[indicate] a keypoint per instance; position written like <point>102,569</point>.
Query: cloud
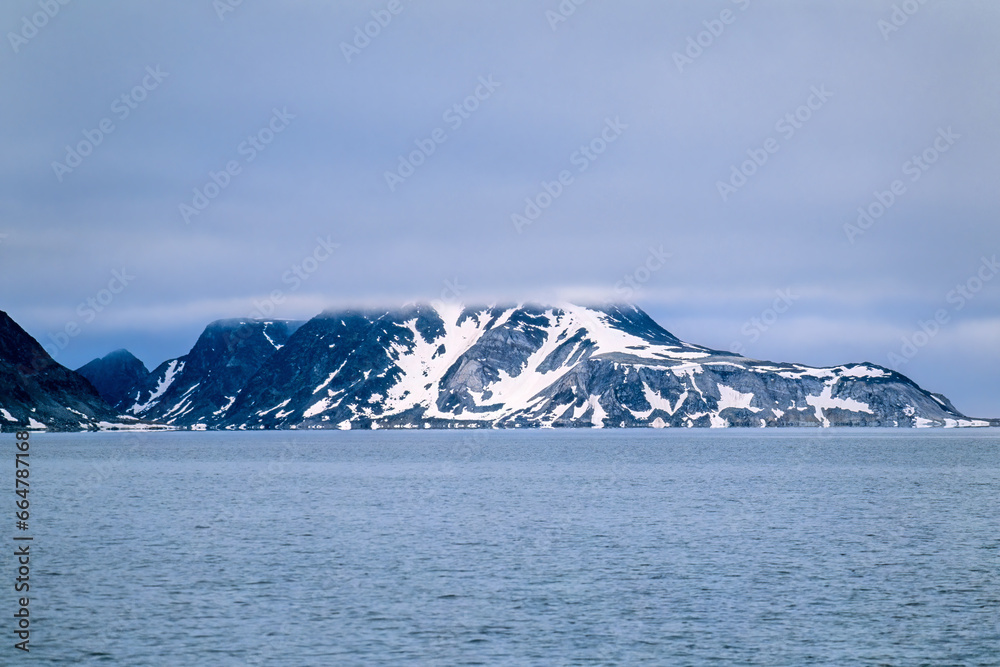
<point>324,175</point>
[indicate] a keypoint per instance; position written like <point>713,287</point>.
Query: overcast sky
<point>228,159</point>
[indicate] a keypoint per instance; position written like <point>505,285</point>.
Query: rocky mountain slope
<point>113,375</point>
<point>37,392</point>
<point>198,387</point>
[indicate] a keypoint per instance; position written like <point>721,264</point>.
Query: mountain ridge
<point>529,365</point>
<point>113,374</point>
<point>222,360</point>
<point>498,366</point>
<point>38,392</point>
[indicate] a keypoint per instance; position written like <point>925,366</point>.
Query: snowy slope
<point>199,387</point>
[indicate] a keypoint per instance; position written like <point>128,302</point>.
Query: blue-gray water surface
<point>738,547</point>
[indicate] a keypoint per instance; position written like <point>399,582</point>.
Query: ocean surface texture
<point>660,547</point>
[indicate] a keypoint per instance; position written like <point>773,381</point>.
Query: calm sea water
<point>795,547</point>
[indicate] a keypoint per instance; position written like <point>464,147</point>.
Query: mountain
<point>37,392</point>
<point>539,366</point>
<point>444,367</point>
<point>198,387</point>
<point>114,375</point>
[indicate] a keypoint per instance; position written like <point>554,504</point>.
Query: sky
<point>809,182</point>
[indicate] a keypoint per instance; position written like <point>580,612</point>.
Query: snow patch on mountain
<point>162,385</point>
<point>424,364</point>
<point>826,401</point>
<point>731,398</point>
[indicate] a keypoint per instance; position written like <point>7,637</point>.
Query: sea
<point>519,547</point>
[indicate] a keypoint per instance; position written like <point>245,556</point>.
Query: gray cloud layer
<point>201,94</point>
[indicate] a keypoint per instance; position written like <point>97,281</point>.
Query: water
<point>798,547</point>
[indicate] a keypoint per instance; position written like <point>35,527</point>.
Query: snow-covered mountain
<point>198,387</point>
<point>539,366</point>
<point>444,367</point>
